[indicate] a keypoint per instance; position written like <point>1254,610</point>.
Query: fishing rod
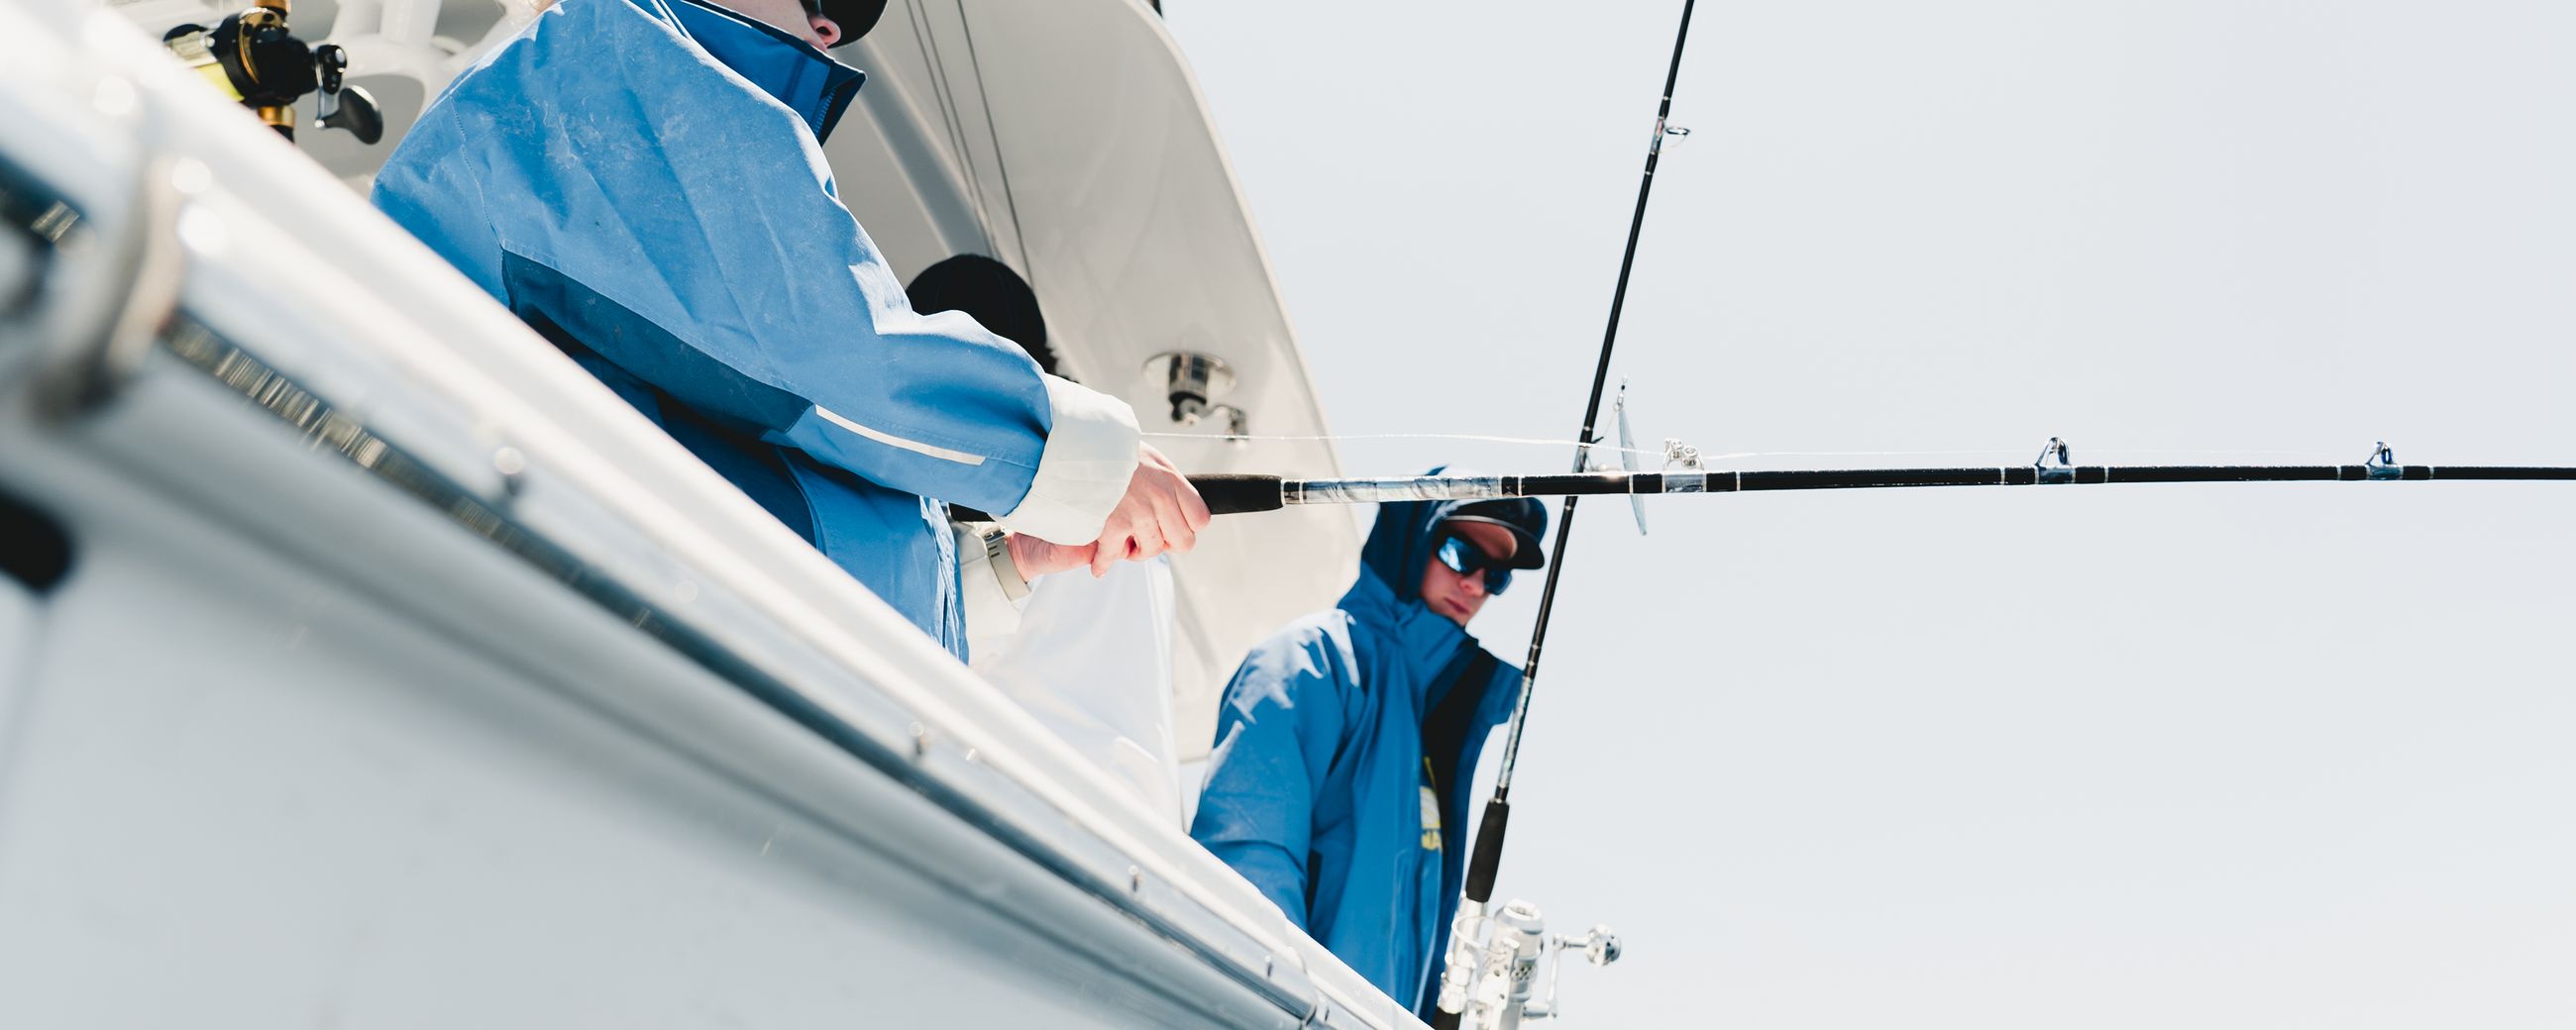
<point>1230,493</point>
<point>1465,971</point>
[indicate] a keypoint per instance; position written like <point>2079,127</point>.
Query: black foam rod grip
<point>1229,493</point>
<point>1226,493</point>
<point>1488,857</point>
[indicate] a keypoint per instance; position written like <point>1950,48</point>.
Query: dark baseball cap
<point>1524,517</point>
<point>855,17</point>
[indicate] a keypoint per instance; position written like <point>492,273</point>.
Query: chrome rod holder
<point>1192,382</point>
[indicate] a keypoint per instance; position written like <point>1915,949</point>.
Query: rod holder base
<point>1193,382</point>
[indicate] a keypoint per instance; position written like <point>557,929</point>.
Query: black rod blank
<point>1228,494</point>
<point>2025,475</point>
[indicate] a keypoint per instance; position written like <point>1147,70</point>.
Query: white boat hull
<point>404,676</point>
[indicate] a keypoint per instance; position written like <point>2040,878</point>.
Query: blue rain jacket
<point>1315,789</point>
<point>643,182</point>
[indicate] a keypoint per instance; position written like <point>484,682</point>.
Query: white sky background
<point>2130,756</point>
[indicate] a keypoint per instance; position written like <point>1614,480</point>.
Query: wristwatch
<point>997,553</point>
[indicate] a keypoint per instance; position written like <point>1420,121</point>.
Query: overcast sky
<point>2130,756</point>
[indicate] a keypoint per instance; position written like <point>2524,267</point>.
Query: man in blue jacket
<point>643,182</point>
<point>1343,749</point>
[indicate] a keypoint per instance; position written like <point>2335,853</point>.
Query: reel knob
<point>343,106</point>
<point>354,110</point>
<point>1601,946</point>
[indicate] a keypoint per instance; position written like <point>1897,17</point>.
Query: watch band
<point>997,553</point>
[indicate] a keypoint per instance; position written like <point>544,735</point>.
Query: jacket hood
<point>1388,595</point>
<point>807,80</point>
<point>1399,545</point>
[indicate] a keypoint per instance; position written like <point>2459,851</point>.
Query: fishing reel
<point>1494,964</point>
<point>253,57</point>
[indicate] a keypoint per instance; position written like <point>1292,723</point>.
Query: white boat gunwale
<point>437,393</point>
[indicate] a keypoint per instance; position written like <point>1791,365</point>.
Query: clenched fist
<point>1161,512</point>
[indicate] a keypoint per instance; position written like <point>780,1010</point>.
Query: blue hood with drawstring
<point>1344,747</point>
<point>643,182</point>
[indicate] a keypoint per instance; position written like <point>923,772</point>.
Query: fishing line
<point>1996,451</point>
<point>1459,437</point>
<point>1606,446</point>
<point>1001,164</point>
<point>1228,493</point>
<point>927,37</point>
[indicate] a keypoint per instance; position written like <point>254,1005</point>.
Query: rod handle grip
<point>1231,493</point>
<point>1488,857</point>
<point>1226,493</point>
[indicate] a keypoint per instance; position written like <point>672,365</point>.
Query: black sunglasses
<point>1461,555</point>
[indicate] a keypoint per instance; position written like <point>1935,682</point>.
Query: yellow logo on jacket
<point>1430,818</point>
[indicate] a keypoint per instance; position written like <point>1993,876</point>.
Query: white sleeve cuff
<point>1089,458</point>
